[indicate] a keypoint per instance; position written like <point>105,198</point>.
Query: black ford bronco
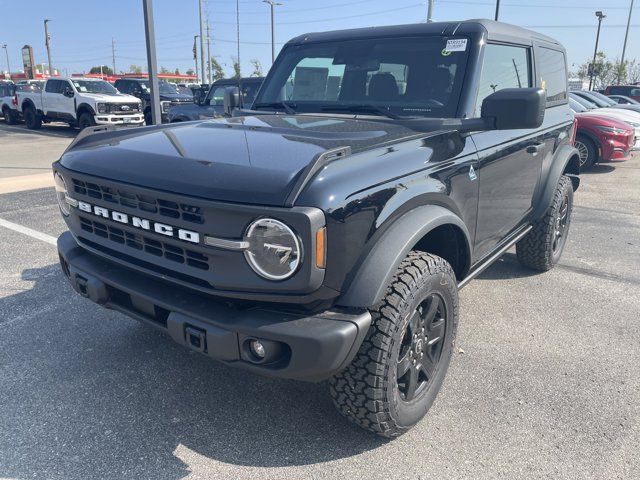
<point>324,234</point>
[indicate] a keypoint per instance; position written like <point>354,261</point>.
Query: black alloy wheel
<point>395,377</point>
<point>421,348</point>
<point>559,236</point>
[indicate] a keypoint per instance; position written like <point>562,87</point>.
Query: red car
<point>602,139</point>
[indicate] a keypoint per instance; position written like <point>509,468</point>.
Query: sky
<point>82,30</point>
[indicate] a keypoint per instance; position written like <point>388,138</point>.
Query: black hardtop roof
<point>497,31</point>
<point>233,81</point>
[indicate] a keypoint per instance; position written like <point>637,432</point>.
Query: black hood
<point>253,160</point>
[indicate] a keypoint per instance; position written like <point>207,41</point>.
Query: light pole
<point>195,55</point>
<point>497,10</point>
<point>152,63</point>
<point>238,33</point>
<point>624,47</point>
<point>272,4</point>
<point>201,40</point>
<point>600,16</point>
<point>7,54</point>
<point>430,11</point>
<point>47,42</point>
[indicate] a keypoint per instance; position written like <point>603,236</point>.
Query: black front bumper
<point>304,347</point>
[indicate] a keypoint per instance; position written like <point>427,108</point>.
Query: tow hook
<point>196,339</point>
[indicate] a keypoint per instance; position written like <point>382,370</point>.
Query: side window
<point>121,87</point>
<point>504,67</point>
<point>552,71</point>
<point>64,85</point>
<point>52,86</point>
<point>217,96</point>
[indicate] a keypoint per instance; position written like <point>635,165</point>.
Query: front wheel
<point>86,120</point>
<point>397,373</point>
<point>542,247</point>
<point>587,152</point>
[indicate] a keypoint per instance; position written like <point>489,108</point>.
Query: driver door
<point>510,160</point>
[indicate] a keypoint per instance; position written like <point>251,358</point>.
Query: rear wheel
<point>86,120</point>
<point>32,120</point>
<point>587,151</point>
<point>10,117</point>
<point>398,371</point>
<point>542,247</point>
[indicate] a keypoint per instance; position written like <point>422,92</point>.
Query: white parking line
<point>28,231</point>
<point>46,133</point>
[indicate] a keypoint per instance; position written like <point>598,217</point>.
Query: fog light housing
<point>257,348</point>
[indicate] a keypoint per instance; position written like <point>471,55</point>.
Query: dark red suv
<point>631,91</point>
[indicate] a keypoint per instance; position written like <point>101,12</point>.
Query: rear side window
<point>504,67</point>
<point>552,71</point>
<point>52,86</point>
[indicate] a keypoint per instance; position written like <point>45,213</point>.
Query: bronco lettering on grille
<point>142,223</point>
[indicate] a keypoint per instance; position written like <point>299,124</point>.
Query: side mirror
<point>231,100</point>
<point>68,92</point>
<point>514,108</point>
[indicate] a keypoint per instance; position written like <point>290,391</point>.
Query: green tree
<point>135,68</point>
<point>190,71</point>
<point>217,72</point>
<point>257,68</point>
<point>177,72</point>
<point>105,70</point>
<point>236,68</point>
<point>633,71</point>
<point>164,70</point>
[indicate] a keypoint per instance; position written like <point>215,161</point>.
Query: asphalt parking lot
<point>545,382</point>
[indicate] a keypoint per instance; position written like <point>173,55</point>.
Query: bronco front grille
<point>145,203</point>
<point>146,244</point>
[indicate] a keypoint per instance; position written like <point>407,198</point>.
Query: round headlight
<point>274,250</point>
<point>61,193</point>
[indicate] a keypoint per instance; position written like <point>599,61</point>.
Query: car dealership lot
<point>544,380</point>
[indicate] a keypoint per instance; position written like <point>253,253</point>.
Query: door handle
<point>535,149</point>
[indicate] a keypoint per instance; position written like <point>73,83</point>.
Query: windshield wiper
<point>374,109</point>
<point>290,108</point>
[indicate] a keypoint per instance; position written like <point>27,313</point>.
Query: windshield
<point>585,103</point>
<point>94,86</point>
<point>604,98</point>
<point>406,76</point>
<point>576,107</point>
<point>593,99</point>
<point>165,87</point>
<point>248,91</point>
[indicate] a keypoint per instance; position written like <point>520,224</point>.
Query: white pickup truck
<point>81,102</point>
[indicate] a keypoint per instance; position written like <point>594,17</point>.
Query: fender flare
<point>566,161</point>
<point>85,106</point>
<point>375,272</point>
<point>27,102</point>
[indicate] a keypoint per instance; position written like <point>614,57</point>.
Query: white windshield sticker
<point>456,45</point>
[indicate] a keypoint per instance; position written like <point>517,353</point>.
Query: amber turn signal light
<point>321,250</point>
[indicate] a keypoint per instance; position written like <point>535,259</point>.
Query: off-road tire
<point>31,119</point>
<point>367,391</point>
<point>536,250</point>
<point>591,149</point>
<point>85,120</point>
<point>10,117</point>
